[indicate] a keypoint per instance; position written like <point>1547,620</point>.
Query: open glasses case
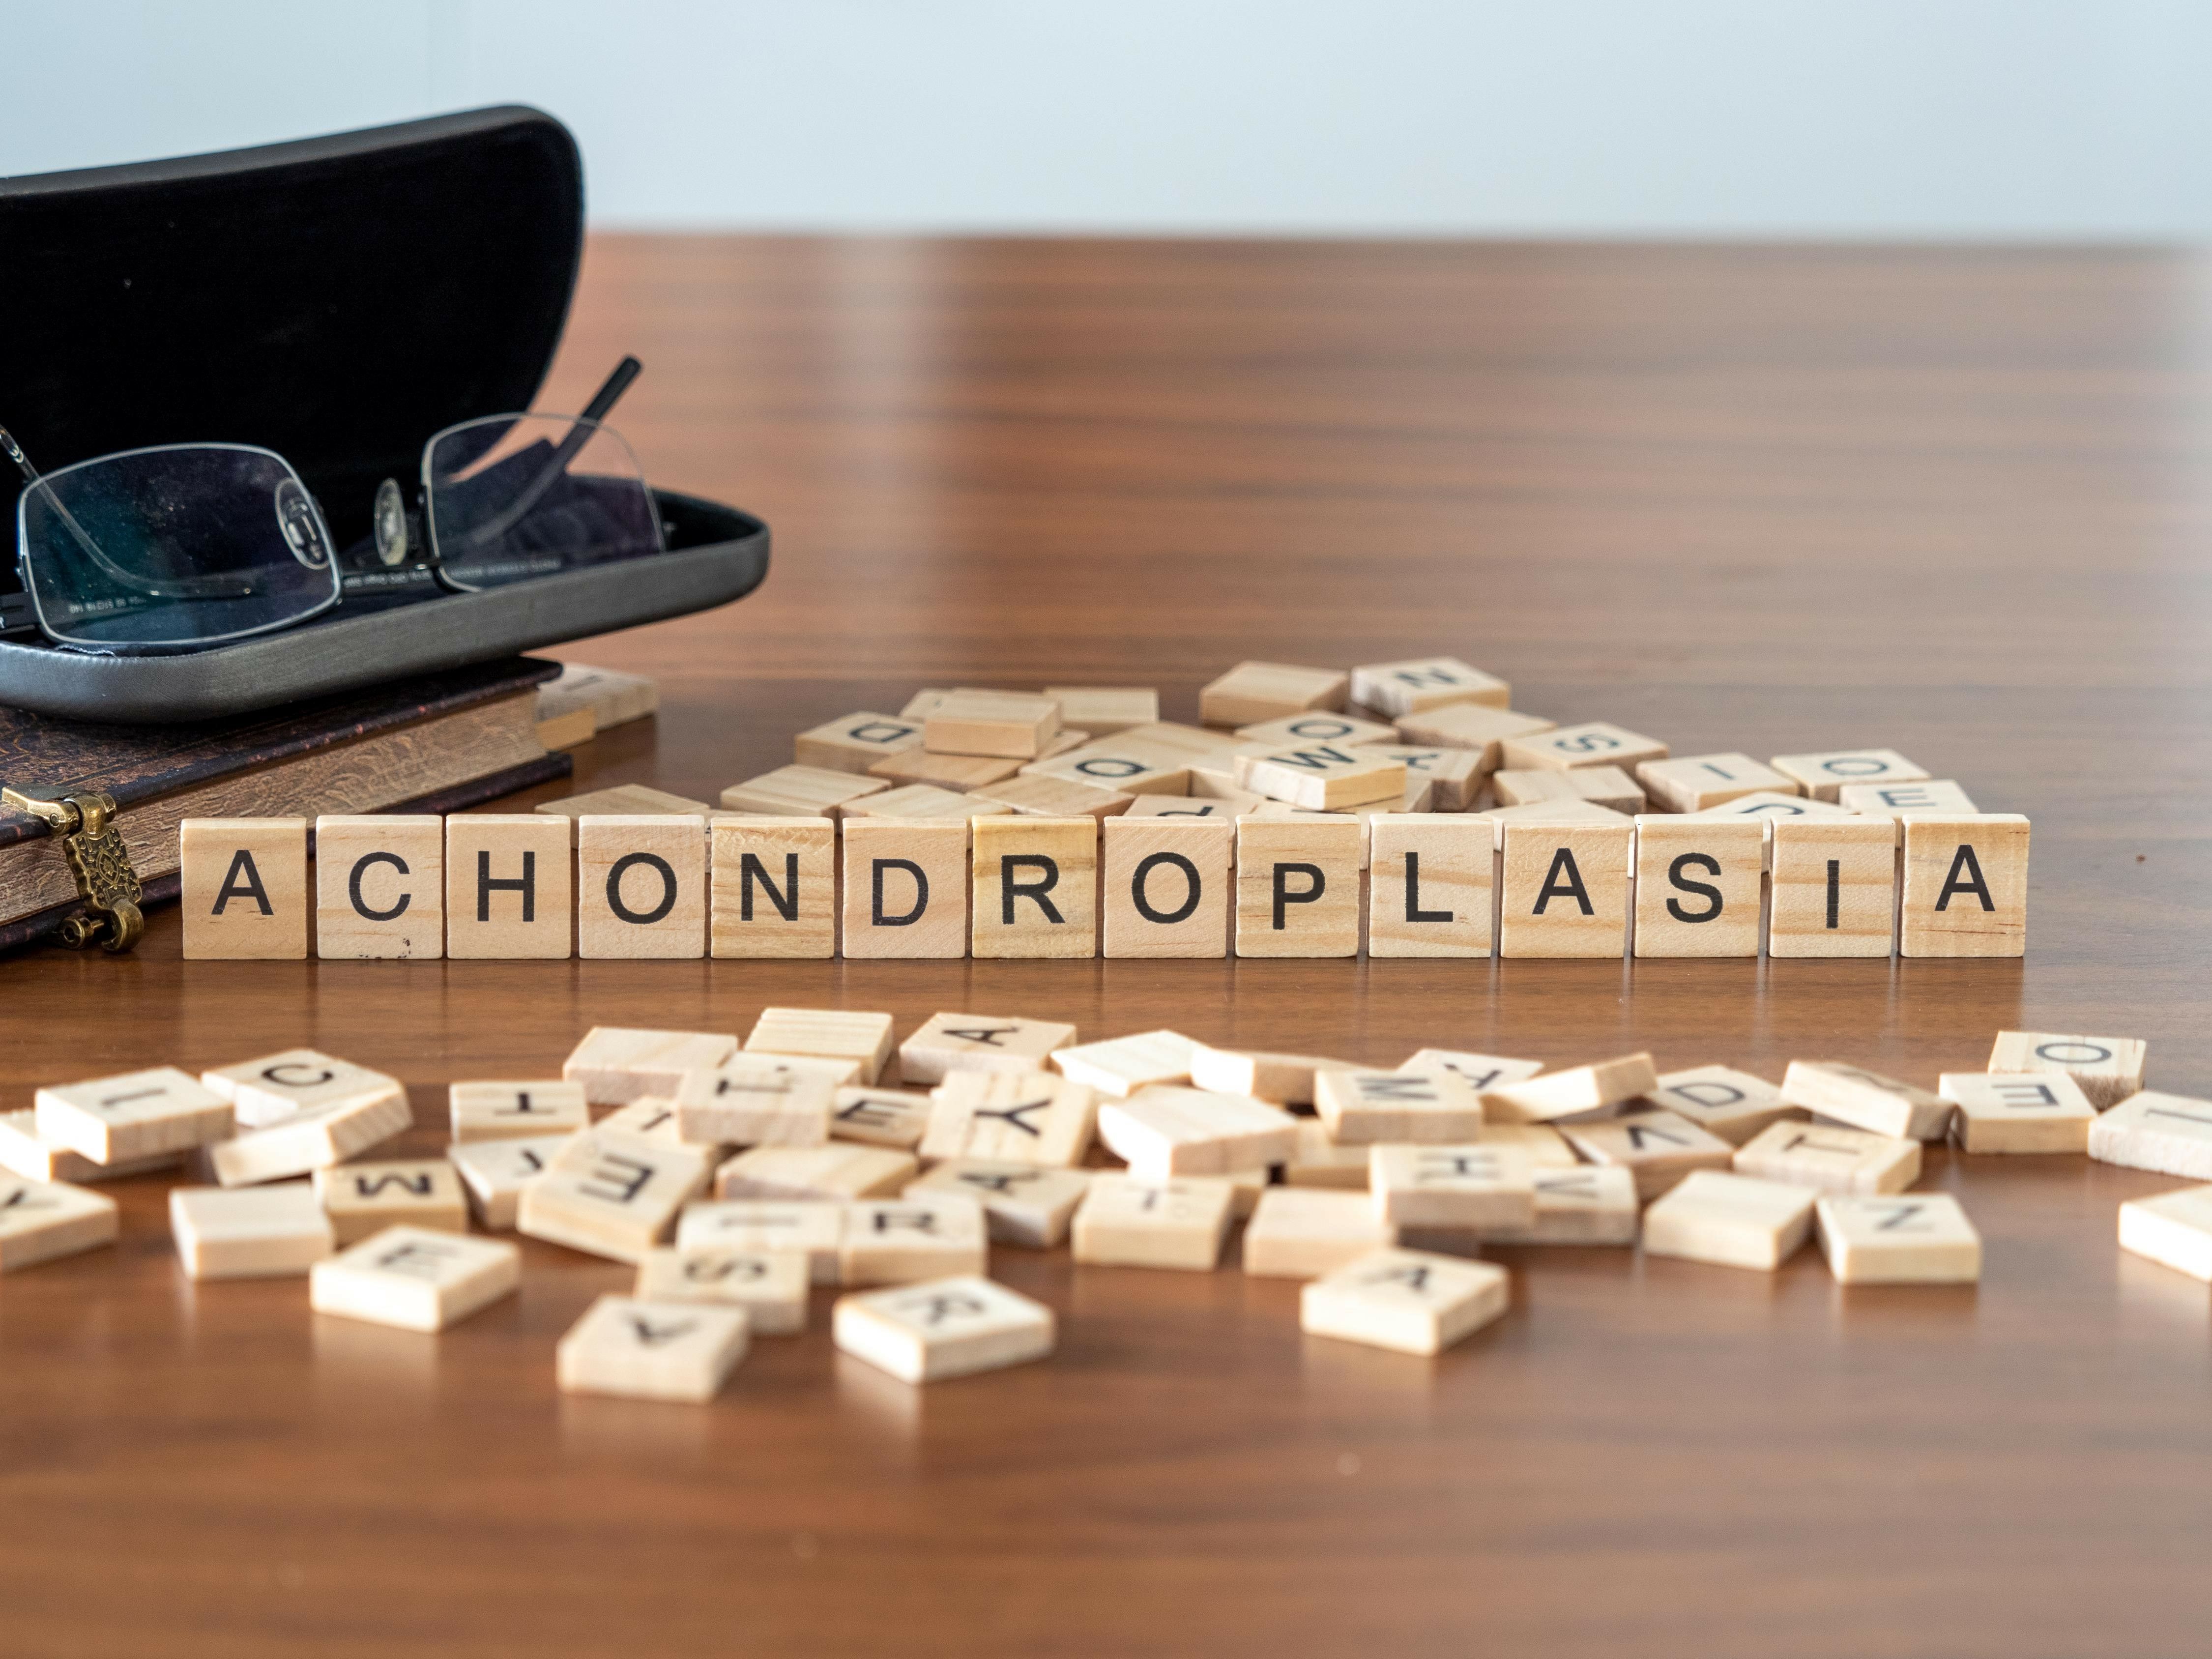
<point>336,301</point>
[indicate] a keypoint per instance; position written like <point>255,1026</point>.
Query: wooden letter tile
<point>1480,1071</point>
<point>679,1351</point>
<point>1475,1184</point>
<point>1866,1100</point>
<point>1124,1221</point>
<point>2170,1133</point>
<point>1035,887</point>
<point>1279,1080</point>
<point>775,888</point>
<point>44,1220</point>
<point>2018,1112</point>
<point>838,1170</point>
<point>1602,786</point>
<point>900,1241</point>
<point>948,772</point>
<point>1823,775</point>
<point>380,886</point>
<point>906,888</point>
<point>310,1139</point>
<point>25,1153</point>
<point>943,1327</point>
<point>1722,1100</point>
<point>1890,800</point>
<point>1830,1157</point>
<point>139,1115</point>
<point>1011,725</point>
<point>1302,1232</point>
<point>1453,776</point>
<point>614,1195</point>
<point>810,792</point>
<point>924,802</point>
<point>1775,807</point>
<point>509,886</point>
<point>508,1111</point>
<point>1297,887</point>
<point>1318,1161</point>
<point>1731,1220</point>
<point>414,1278</point>
<point>849,1034</point>
<point>1414,687</point>
<point>1323,777</point>
<point>1168,887</point>
<point>770,1285</point>
<point>812,1228</point>
<point>1834,887</point>
<point>1295,730</point>
<point>1118,767</point>
<point>625,799</point>
<point>1407,1300</point>
<point>1472,727</point>
<point>1011,1117</point>
<point>759,1100</point>
<point>879,1117</point>
<point>2174,1229</point>
<point>946,1043</point>
<point>1103,710</point>
<point>1191,806</point>
<point>855,743</point>
<point>641,887</point>
<point>1039,797</point>
<point>1162,1131</point>
<point>244,888</point>
<point>1659,1148</point>
<point>1564,889</point>
<point>1565,1094</point>
<point>362,1199</point>
<point>2109,1069</point>
<point>617,1064</point>
<point>1691,783</point>
<point>1594,743</point>
<point>277,1086</point>
<point>1023,1205</point>
<point>496,1172</point>
<point>1122,1065</point>
<point>1429,1107</point>
<point>1965,885</point>
<point>1430,888</point>
<point>1698,886</point>
<point>261,1232</point>
<point>1577,1204</point>
<point>1912,1238</point>
<point>1256,691</point>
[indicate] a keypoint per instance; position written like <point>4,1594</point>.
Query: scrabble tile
<point>1122,1065</point>
<point>1657,1147</point>
<point>310,1139</point>
<point>1190,740</point>
<point>1890,800</point>
<point>509,887</point>
<point>1410,1301</point>
<point>1453,777</point>
<point>494,1172</point>
<point>1035,887</point>
<point>1834,887</point>
<point>506,1111</point>
<point>812,1228</point>
<point>906,889</point>
<point>1472,727</point>
<point>1279,1080</point>
<point>804,792</point>
<point>1162,1131</point>
<point>2174,1229</point>
<point>1775,807</point>
<point>261,1232</point>
<point>361,1199</point>
<point>617,1064</point>
<point>861,1037</point>
<point>1303,1232</point>
<point>641,887</point>
<point>922,802</point>
<point>1169,886</point>
<point>2109,1069</point>
<point>1054,799</point>
<point>950,772</point>
<point>1866,1100</point>
<point>1189,806</point>
<point>1126,1221</point>
<point>653,1118</point>
<point>1421,684</point>
<point>773,890</point>
<point>1965,885</point>
<point>1698,886</point>
<point>1215,776</point>
<point>1480,1071</point>
<point>569,730</point>
<point>1246,1189</point>
<point>949,1043</point>
<point>919,705</point>
<point>1011,1117</point>
<point>1023,1205</point>
<point>1562,889</point>
<point>1691,783</point>
<point>133,1116</point>
<point>1912,1238</point>
<point>854,743</point>
<point>879,1117</point>
<point>838,1170</point>
<point>1297,887</point>
<point>1603,786</point>
<point>2170,1133</point>
<point>44,1220</point>
<point>24,1151</point>
<point>1256,691</point>
<point>1428,1108</point>
<point>1565,1094</point>
<point>1473,1184</point>
<point>613,1195</point>
<point>1549,813</point>
<point>770,1285</point>
<point>1594,743</point>
<point>615,698</point>
<point>414,1278</point>
<point>2019,1112</point>
<point>760,1100</point>
<point>1295,730</point>
<point>1429,885</point>
<point>1317,1161</point>
<point>1116,766</point>
<point>1547,1147</point>
<point>1102,710</point>
<point>1730,1220</point>
<point>943,1328</point>
<point>244,888</point>
<point>631,799</point>
<point>1824,776</point>
<point>1722,1100</point>
<point>1577,1204</point>
<point>1009,724</point>
<point>1830,1157</point>
<point>678,1351</point>
<point>277,1086</point>
<point>1323,776</point>
<point>900,1241</point>
<point>380,886</point>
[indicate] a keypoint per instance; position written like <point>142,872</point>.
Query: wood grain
<point>1773,500</point>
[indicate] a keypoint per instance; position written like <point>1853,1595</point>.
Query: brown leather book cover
<point>436,744</point>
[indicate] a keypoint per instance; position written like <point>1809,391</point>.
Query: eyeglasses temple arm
<point>608,394</point>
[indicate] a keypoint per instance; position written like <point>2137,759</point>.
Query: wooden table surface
<point>1950,501</point>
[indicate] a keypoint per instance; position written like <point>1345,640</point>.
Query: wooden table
<point>1951,502</point>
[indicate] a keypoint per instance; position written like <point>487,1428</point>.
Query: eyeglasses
<point>181,547</point>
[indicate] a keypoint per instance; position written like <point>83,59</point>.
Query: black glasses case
<point>337,300</point>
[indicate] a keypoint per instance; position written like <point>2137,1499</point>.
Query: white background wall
<point>2017,118</point>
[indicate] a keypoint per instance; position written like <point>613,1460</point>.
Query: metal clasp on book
<point>97,862</point>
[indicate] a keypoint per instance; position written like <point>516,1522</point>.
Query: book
<point>434,744</point>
